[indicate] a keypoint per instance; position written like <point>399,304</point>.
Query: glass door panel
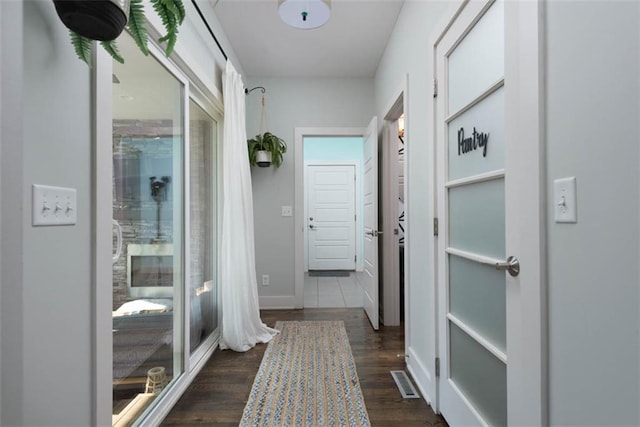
<point>475,150</point>
<point>477,297</point>
<point>203,226</point>
<point>148,147</point>
<point>476,218</point>
<point>479,375</point>
<point>477,61</point>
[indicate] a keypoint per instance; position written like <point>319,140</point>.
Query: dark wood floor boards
<point>219,393</point>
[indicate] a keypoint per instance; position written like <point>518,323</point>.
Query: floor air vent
<point>404,385</point>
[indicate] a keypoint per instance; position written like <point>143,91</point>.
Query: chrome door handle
<point>373,233</point>
<point>512,265</point>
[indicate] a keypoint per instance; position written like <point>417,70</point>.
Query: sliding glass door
<point>165,300</point>
<point>203,287</point>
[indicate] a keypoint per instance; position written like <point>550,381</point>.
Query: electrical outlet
<point>265,280</point>
<point>287,211</point>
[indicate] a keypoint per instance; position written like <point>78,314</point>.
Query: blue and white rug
<point>307,378</point>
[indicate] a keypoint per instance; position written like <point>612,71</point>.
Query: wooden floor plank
<point>219,393</point>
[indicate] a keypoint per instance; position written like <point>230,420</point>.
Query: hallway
<point>218,394</point>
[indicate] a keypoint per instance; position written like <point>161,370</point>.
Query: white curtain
<point>241,324</point>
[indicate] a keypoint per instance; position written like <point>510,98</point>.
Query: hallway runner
<point>307,378</point>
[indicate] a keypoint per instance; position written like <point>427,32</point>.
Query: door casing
<point>299,202</point>
<point>389,258</point>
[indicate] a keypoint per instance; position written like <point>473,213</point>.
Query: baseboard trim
<point>420,374</point>
<point>277,303</point>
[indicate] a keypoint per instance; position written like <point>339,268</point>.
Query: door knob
<point>373,233</point>
<point>310,225</point>
<point>512,265</point>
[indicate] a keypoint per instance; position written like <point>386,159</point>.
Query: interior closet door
<point>491,210</point>
<point>369,277</point>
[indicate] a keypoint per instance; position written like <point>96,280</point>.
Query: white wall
<point>196,47</point>
<point>11,217</point>
<point>52,314</point>
<point>293,103</point>
<point>592,133</point>
<point>409,52</point>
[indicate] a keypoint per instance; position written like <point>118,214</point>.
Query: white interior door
<point>491,338</point>
<point>471,200</point>
<point>331,217</point>
<point>369,275</point>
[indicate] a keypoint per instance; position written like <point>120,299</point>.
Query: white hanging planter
<point>263,159</point>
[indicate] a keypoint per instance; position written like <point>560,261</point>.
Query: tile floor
<point>332,292</point>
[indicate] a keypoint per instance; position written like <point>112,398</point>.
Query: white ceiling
<point>349,45</point>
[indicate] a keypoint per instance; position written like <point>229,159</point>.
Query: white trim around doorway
<point>525,122</point>
<point>299,222</point>
<point>397,106</point>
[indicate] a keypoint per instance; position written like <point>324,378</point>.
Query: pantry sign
<point>476,141</point>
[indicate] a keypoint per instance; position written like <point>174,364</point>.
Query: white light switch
<point>565,200</point>
<point>287,211</point>
<point>53,205</point>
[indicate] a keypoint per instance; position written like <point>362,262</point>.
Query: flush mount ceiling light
<point>304,14</point>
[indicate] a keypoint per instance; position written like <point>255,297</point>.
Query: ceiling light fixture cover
<point>304,14</point>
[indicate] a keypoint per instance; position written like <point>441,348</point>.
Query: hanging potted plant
<point>266,149</point>
<point>104,20</point>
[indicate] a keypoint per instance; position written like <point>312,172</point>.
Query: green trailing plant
<point>266,142</point>
<point>172,14</point>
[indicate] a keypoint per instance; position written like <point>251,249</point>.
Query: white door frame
<point>397,106</point>
<point>527,333</point>
<point>357,208</point>
<point>102,212</point>
<point>299,202</point>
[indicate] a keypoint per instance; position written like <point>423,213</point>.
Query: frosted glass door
<point>473,196</point>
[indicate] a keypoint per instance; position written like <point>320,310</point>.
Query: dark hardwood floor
<point>219,393</point>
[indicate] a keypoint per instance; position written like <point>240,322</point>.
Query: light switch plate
<point>287,211</point>
<point>53,205</point>
<point>565,200</point>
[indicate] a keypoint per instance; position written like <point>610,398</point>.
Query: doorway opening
<point>393,211</point>
<point>332,214</point>
<point>366,280</point>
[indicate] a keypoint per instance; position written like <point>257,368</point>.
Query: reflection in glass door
<point>148,146</point>
<point>202,215</point>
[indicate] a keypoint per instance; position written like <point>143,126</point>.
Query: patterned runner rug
<point>307,378</point>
